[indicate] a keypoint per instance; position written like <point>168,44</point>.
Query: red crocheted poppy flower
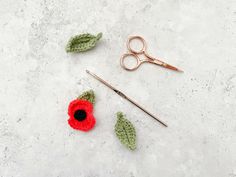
<point>81,115</point>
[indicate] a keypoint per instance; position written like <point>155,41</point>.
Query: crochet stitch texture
<point>125,131</point>
<point>82,42</point>
<point>88,95</point>
<point>80,112</point>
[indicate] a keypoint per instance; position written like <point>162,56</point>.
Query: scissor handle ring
<point>136,51</point>
<point>122,63</point>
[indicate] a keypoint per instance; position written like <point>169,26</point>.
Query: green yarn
<point>88,95</point>
<point>125,131</point>
<point>82,42</point>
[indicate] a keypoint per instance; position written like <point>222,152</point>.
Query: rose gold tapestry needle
<point>125,97</point>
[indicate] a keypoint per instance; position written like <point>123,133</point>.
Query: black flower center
<point>80,115</point>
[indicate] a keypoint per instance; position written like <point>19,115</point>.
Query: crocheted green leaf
<point>125,131</point>
<point>82,42</point>
<point>88,95</point>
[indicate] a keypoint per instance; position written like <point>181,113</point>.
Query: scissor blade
<point>171,67</point>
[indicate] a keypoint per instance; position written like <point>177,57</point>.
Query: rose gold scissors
<point>148,59</point>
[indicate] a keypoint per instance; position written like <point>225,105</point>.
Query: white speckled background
<point>38,80</point>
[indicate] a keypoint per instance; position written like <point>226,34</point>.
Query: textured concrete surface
<point>38,79</point>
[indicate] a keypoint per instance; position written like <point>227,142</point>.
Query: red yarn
<point>89,121</point>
